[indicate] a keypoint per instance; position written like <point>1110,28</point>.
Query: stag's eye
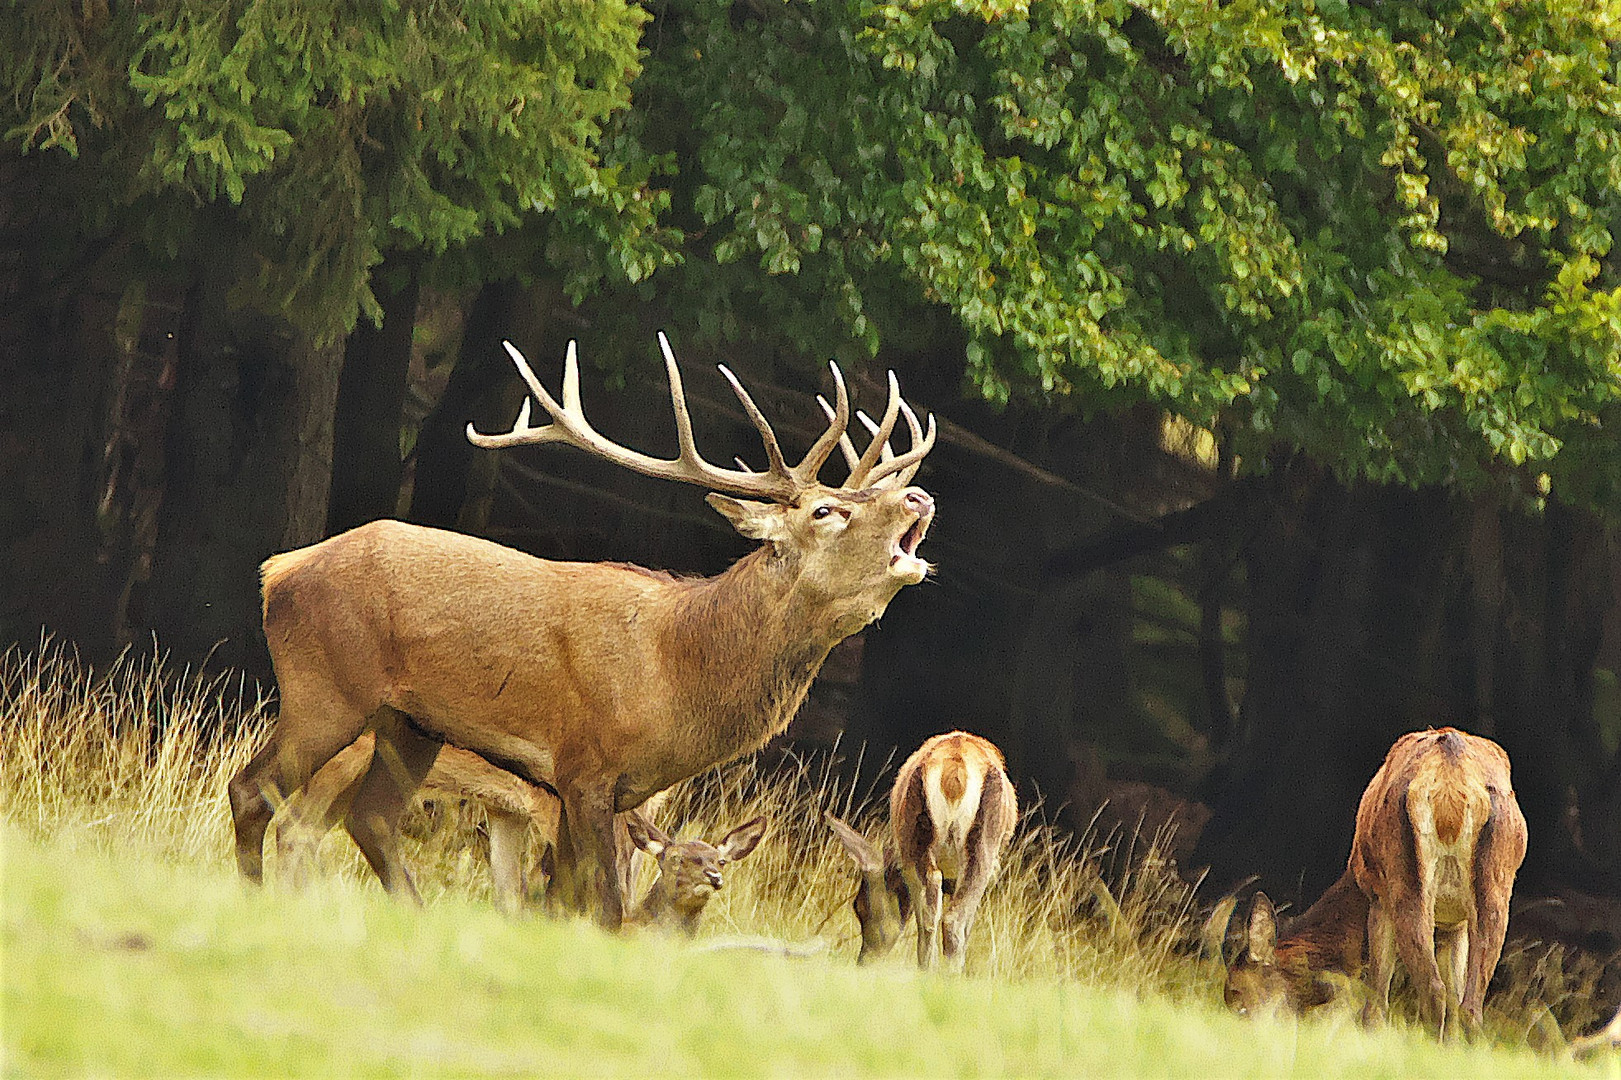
<point>821,512</point>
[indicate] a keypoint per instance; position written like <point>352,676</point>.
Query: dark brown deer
<point>601,681</point>
<point>1439,838</point>
<point>951,813</point>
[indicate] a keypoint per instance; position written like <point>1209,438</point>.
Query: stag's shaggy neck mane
<point>749,643</point>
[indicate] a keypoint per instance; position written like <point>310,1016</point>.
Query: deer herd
<point>566,697</point>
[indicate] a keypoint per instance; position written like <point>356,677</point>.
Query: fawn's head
<point>882,902</point>
<point>690,871</point>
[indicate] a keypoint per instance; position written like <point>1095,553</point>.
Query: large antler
<point>780,482</point>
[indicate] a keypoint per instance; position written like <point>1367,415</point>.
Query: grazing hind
<point>951,813</point>
<point>1439,838</point>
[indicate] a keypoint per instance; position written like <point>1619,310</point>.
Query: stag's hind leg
<point>399,763</point>
<point>928,890</point>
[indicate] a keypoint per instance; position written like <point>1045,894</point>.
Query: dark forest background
<point>1276,355</point>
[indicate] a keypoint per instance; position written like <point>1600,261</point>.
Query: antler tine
<point>835,435</point>
<point>859,475</point>
<point>773,452</point>
<point>848,447</point>
<point>521,433</point>
<point>678,402</point>
<point>904,466</point>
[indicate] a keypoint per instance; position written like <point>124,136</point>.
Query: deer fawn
<point>600,681</point>
<point>951,813</point>
<point>1439,838</point>
<point>690,871</point>
<point>511,806</point>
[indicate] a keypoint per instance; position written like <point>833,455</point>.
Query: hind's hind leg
<point>304,740</point>
<point>402,758</point>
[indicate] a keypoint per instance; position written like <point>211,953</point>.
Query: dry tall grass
<point>138,758</point>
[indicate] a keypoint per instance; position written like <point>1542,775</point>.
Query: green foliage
<point>1378,232</point>
<point>339,132</point>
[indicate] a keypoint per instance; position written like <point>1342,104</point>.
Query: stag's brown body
<point>604,682</point>
<point>1439,838</point>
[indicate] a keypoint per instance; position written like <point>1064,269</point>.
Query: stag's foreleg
<point>590,866</point>
<point>310,731</point>
<point>402,759</point>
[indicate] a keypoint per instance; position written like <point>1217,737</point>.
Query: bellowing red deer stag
<point>602,681</point>
<point>951,812</point>
<point>1439,838</point>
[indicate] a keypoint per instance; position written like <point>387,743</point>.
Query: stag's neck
<point>748,644</point>
<point>1329,935</point>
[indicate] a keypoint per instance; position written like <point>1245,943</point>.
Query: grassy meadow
<point>131,948</point>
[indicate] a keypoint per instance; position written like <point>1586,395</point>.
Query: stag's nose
<point>714,878</point>
<point>920,502</point>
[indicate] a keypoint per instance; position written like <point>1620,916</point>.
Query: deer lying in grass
<point>690,871</point>
<point>951,813</point>
<point>511,806</point>
<point>1439,838</point>
<point>603,682</point>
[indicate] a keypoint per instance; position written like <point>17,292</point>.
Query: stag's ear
<point>1262,941</point>
<point>755,520</point>
<point>741,840</point>
<point>646,835</point>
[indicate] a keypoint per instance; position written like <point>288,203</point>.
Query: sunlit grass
<point>132,767</point>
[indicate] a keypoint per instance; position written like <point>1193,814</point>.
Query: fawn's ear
<point>865,855</point>
<point>1262,938</point>
<point>646,835</point>
<point>741,840</point>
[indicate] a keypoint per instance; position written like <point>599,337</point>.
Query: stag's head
<point>852,547</point>
<point>882,902</point>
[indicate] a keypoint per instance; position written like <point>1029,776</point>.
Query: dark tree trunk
<point>249,464</point>
<point>444,456</point>
<point>366,466</point>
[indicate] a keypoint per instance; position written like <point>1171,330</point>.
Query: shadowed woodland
<point>1277,377</point>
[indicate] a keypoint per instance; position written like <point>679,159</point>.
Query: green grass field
<point>131,948</point>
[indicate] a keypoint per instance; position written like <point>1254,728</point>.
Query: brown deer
<point>690,871</point>
<point>951,812</point>
<point>1439,838</point>
<point>601,681</point>
<point>511,806</point>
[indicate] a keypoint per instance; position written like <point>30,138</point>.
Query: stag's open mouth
<point>903,552</point>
